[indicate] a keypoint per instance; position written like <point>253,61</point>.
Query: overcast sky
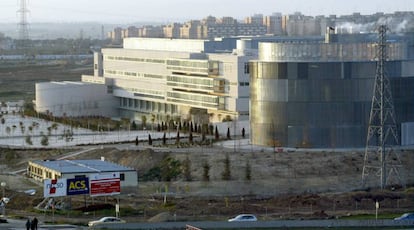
<point>124,11</point>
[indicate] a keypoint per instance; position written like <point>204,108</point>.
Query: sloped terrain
<point>298,184</point>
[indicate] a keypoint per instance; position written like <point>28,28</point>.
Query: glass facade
<point>319,102</point>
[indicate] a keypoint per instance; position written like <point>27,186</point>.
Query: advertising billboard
<point>54,188</point>
<point>105,184</point>
<point>77,186</point>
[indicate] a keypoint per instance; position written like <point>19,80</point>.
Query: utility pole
<point>380,158</point>
<point>23,24</point>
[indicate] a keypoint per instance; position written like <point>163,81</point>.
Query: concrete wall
<point>74,99</point>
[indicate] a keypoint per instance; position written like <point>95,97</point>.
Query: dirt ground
<point>285,185</point>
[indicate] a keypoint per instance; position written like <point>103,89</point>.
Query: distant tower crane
<point>380,159</point>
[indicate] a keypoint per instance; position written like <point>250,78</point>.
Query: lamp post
<point>3,199</point>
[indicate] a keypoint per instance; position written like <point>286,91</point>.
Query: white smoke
<point>355,28</point>
<point>394,24</point>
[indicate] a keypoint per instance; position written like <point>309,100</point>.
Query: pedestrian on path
<point>35,222</point>
<point>28,224</point>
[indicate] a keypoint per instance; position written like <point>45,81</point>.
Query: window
<point>246,68</point>
<point>122,176</point>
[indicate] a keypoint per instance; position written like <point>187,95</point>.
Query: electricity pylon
<point>380,158</point>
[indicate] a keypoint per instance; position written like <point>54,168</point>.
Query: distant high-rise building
<point>256,19</point>
<point>273,24</point>
<point>172,30</point>
<point>116,35</point>
<point>190,29</point>
<point>130,32</point>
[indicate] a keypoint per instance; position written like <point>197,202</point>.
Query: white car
<point>243,217</point>
<point>106,220</point>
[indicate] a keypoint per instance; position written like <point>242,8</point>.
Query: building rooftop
<point>82,166</point>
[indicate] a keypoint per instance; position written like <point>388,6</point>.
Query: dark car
<point>405,216</point>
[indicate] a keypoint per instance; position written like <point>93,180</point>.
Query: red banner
<point>105,184</point>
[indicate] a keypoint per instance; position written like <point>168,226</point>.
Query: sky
<point>167,11</point>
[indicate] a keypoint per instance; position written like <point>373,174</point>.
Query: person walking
<point>28,224</point>
<point>35,222</point>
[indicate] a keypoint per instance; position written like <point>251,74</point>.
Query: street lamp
<point>3,199</point>
<point>3,186</point>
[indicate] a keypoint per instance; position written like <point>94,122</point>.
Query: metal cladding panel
<point>407,133</point>
<point>313,109</point>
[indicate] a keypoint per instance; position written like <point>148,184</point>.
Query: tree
<point>44,141</point>
<point>152,121</point>
<point>203,136</point>
<point>134,125</point>
<point>216,134</point>
<point>144,122</point>
<point>226,174</point>
<point>243,132</point>
<point>136,141</point>
<point>29,140</point>
<point>170,168</point>
<point>190,138</point>
<point>228,133</point>
<point>206,171</point>
<point>186,166</point>
<point>248,172</point>
<point>177,140</point>
<point>164,139</point>
<point>149,139</point>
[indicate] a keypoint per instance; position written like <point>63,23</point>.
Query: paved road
<point>20,225</point>
<point>282,224</point>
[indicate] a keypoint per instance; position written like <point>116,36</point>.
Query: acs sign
<point>77,186</point>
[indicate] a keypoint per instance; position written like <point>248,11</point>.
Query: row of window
<point>134,59</point>
<point>133,74</point>
<point>190,97</point>
<point>39,172</point>
<point>145,92</point>
<point>137,104</point>
<point>321,70</point>
<point>202,64</point>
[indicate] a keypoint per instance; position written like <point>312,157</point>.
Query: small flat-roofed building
<point>56,169</point>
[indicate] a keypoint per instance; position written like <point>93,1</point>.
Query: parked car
<point>106,220</point>
<point>243,217</point>
<point>405,216</point>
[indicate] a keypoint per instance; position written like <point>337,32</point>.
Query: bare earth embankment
<point>299,184</point>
